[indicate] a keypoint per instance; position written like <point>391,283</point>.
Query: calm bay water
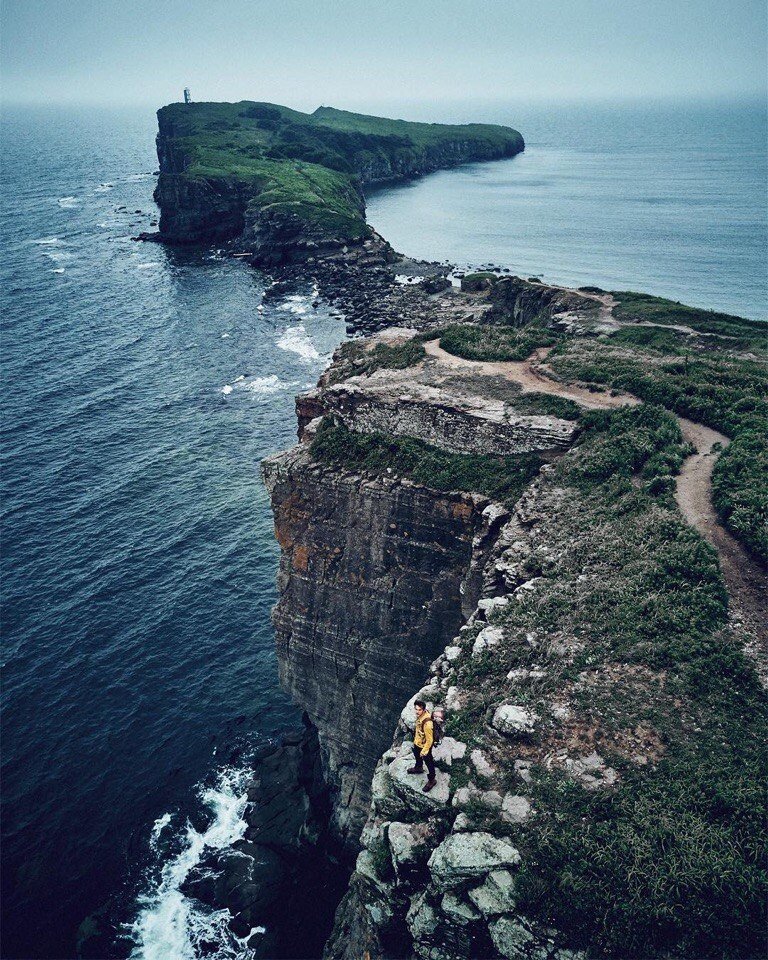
<point>665,199</point>
<point>141,388</point>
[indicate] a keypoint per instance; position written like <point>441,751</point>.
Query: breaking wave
<point>170,924</point>
<point>296,340</point>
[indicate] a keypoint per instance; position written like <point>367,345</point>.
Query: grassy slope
<point>705,378</point>
<point>301,163</point>
<point>669,862</point>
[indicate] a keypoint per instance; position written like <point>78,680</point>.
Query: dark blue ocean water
<point>141,387</point>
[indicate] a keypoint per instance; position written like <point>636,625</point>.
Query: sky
<point>347,52</point>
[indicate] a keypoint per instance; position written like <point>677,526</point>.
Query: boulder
<point>462,857</point>
<point>483,767</point>
<point>408,844</point>
<point>513,720</point>
<point>510,936</point>
<point>515,808</point>
<point>449,750</point>
<point>458,910</point>
<point>421,918</point>
<point>496,895</point>
<point>487,639</point>
<point>409,786</point>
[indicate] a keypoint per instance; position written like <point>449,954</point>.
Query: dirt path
<point>744,578</point>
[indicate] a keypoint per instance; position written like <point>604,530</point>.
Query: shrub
<point>494,342</point>
<point>501,478</point>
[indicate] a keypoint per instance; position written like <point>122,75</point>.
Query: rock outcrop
<point>291,185</point>
<point>449,415</point>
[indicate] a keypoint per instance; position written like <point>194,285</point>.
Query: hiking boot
<point>428,786</point>
<point>415,769</point>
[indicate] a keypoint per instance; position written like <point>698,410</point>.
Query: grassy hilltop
<point>309,167</point>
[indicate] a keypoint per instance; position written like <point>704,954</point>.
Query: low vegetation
<point>627,626</point>
<point>473,342</point>
<point>643,307</point>
<point>722,390</point>
<point>501,478</point>
<point>352,358</point>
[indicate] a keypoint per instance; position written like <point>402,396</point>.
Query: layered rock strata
<point>401,404</point>
<point>373,576</point>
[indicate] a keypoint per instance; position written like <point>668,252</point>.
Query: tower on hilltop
<point>187,95</point>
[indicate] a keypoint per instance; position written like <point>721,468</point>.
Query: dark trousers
<point>421,760</point>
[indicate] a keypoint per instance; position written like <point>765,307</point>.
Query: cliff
<point>288,183</point>
<point>470,515</point>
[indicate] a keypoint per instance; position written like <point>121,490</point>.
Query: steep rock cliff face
<point>372,580</point>
<point>418,162</point>
<point>519,302</point>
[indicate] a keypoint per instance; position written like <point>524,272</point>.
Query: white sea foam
<point>159,825</point>
<point>226,336</point>
<point>171,925</point>
<point>296,340</point>
<point>227,389</point>
<point>47,241</point>
<point>147,266</point>
<point>297,304</point>
<point>265,386</point>
<point>58,270</point>
<point>407,280</point>
<point>67,202</point>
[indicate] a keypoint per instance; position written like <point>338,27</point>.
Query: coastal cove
<point>149,627</point>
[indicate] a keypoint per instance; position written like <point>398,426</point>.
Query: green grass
<point>545,404</point>
<point>723,391</point>
<point>668,865</point>
<point>740,489</point>
<point>352,359</point>
<point>500,478</point>
<point>644,307</point>
<point>494,342</point>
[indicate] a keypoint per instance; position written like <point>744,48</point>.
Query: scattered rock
<point>510,936</point>
<point>496,895</point>
<point>458,910</point>
<point>515,809</point>
<point>513,720</point>
<point>483,767</point>
<point>487,639</point>
<point>464,856</point>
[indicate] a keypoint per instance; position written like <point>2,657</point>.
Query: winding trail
<point>744,577</point>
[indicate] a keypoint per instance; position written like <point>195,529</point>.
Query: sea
<point>141,387</point>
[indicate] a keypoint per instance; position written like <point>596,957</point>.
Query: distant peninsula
<point>288,182</point>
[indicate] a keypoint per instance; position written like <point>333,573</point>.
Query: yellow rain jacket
<point>423,735</point>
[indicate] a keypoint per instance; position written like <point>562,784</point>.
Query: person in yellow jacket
<point>422,745</point>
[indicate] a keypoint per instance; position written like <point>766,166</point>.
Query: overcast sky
<point>347,52</point>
